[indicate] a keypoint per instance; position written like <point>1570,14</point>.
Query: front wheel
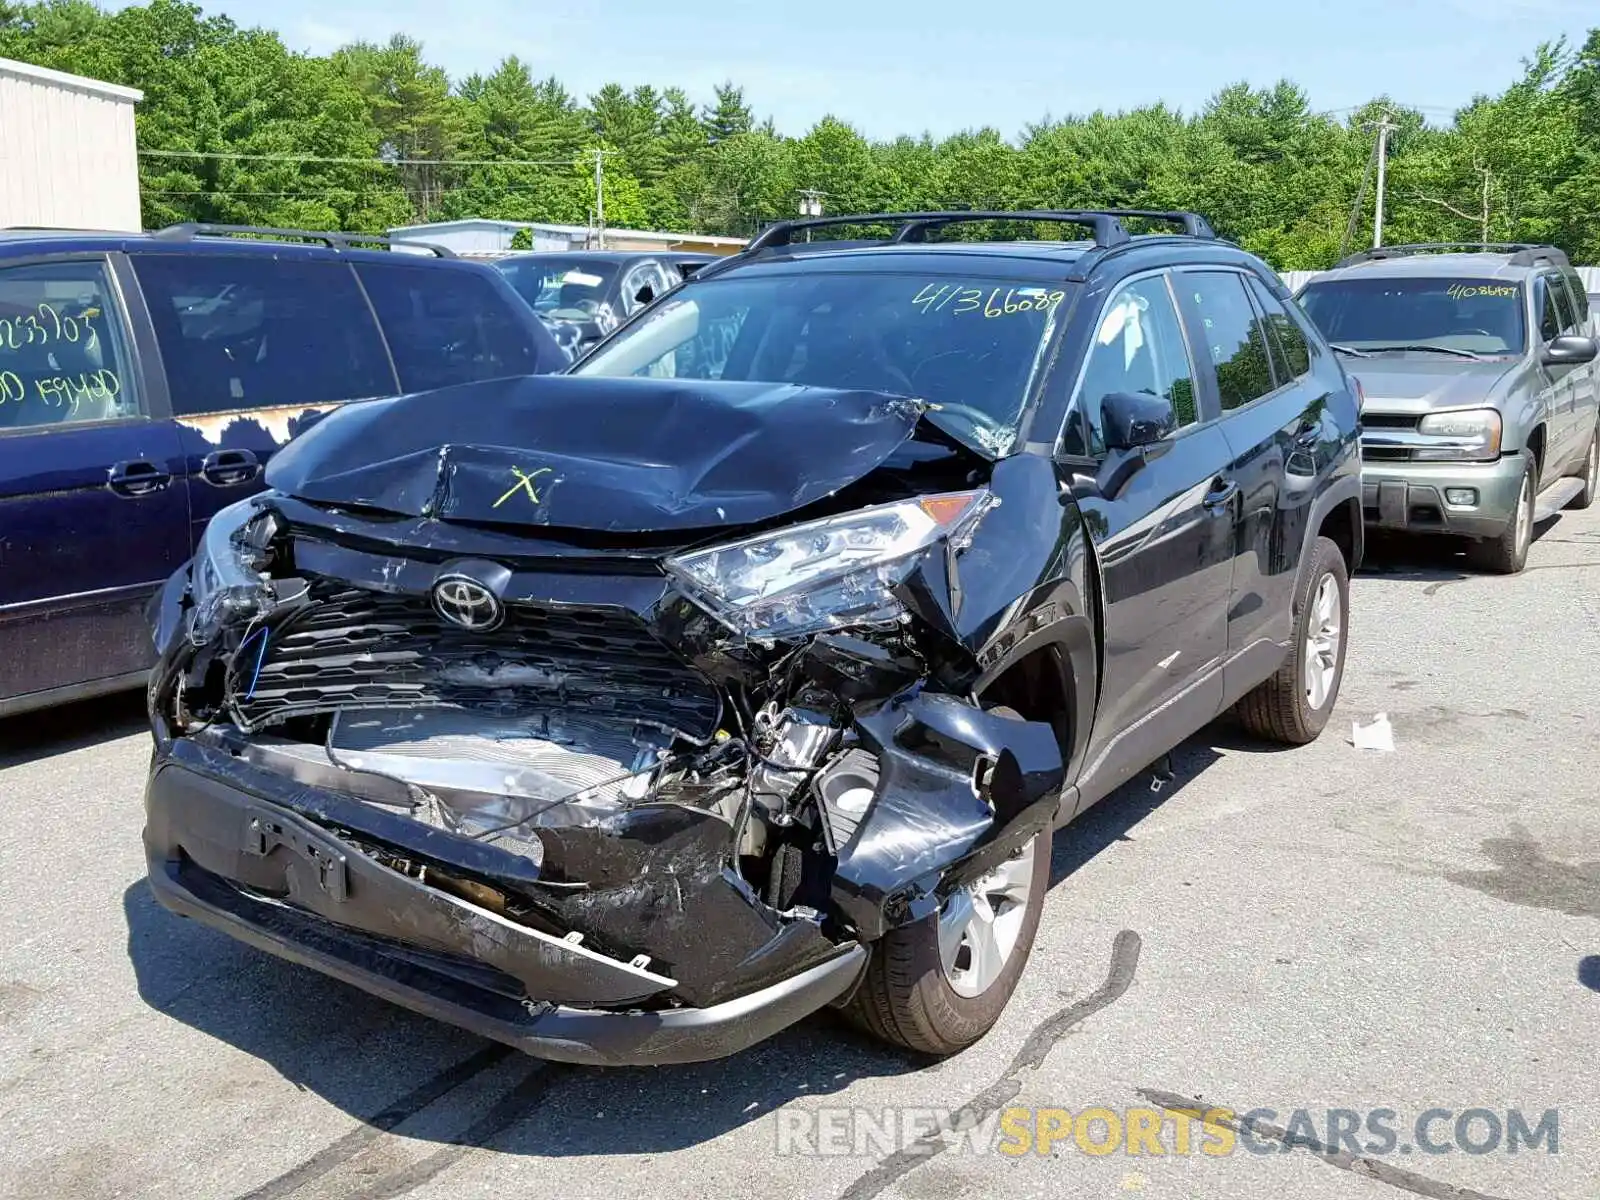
<point>1294,705</point>
<point>940,984</point>
<point>1508,553</point>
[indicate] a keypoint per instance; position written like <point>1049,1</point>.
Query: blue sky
<point>958,63</point>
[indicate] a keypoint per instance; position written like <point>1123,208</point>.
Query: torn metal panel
<point>244,427</point>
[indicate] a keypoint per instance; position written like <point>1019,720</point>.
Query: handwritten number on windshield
<point>46,325</point>
<point>937,297</point>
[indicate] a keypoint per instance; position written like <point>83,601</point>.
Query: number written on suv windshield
<point>939,297</point>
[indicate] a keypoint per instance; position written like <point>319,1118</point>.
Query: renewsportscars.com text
<point>1155,1131</point>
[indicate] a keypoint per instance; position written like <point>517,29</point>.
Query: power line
<point>364,162</point>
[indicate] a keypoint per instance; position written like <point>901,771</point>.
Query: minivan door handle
<point>229,468</point>
<point>1221,494</point>
<point>137,477</point>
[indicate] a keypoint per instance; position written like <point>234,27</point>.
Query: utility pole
<point>1384,127</point>
<point>599,199</point>
<point>810,205</point>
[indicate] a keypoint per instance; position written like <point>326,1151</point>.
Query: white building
<point>68,159</point>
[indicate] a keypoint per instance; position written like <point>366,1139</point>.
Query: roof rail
<point>1103,223</point>
<point>1523,254</point>
<point>334,239</point>
<point>1192,223</point>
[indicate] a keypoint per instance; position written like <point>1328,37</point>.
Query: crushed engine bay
<point>618,738</point>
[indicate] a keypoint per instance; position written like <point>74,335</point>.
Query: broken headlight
<point>226,580</point>
<point>824,574</point>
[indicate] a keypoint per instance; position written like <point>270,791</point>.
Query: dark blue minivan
<point>146,379</point>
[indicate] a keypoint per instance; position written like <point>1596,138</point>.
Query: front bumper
<point>1412,496</point>
<point>245,862</point>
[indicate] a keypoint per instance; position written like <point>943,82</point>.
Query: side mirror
<point>1135,419</point>
<point>1568,350</point>
<point>645,294</point>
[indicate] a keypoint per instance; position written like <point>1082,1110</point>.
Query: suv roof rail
<point>1523,254</point>
<point>335,239</point>
<point>1103,224</point>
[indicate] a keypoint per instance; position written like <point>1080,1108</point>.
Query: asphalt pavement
<point>1297,931</point>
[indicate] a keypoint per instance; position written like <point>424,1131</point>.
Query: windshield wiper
<point>1350,350</point>
<point>1472,354</point>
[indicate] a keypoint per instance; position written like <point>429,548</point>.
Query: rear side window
<point>242,332</point>
<point>1291,354</point>
<point>447,326</point>
<point>63,359</point>
<point>1232,339</point>
<point>1580,298</point>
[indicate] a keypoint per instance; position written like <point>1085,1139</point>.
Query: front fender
<point>958,791</point>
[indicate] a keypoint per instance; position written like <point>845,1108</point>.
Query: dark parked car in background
<point>586,294</point>
<point>146,380</point>
<point>636,738</point>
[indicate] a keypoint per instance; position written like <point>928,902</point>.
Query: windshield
<point>969,345</point>
<point>566,287</point>
<point>1483,316</point>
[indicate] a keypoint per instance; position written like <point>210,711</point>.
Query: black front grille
<point>1385,454</point>
<point>352,648</point>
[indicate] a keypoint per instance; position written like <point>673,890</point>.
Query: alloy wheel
<point>1324,634</point>
<point>979,924</point>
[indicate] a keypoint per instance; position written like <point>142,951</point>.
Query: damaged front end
<point>606,806</point>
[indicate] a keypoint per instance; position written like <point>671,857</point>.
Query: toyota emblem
<point>467,603</point>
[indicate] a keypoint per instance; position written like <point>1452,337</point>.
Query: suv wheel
<point>1508,553</point>
<point>1294,705</point>
<point>1591,473</point>
<point>940,984</point>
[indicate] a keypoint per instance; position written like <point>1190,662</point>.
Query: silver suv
<point>1481,405</point>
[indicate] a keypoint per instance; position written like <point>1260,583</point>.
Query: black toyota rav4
<point>629,715</point>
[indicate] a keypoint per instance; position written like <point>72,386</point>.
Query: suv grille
<point>355,648</point>
<point>1387,421</point>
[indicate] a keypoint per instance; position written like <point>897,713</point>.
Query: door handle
<point>137,477</point>
<point>1221,494</point>
<point>229,468</point>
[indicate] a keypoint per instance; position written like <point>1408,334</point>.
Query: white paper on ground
<point>1379,735</point>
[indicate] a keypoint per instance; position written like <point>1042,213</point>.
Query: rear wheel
<point>940,984</point>
<point>1591,473</point>
<point>1508,553</point>
<point>1294,705</point>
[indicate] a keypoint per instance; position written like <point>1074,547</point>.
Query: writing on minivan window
<point>61,391</point>
<point>1466,291</point>
<point>939,297</point>
<point>47,324</point>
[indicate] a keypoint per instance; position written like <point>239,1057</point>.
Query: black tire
<point>1591,474</point>
<point>1508,553</point>
<point>1280,710</point>
<point>906,999</point>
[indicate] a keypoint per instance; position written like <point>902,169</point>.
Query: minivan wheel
<point>1591,473</point>
<point>938,985</point>
<point>1294,705</point>
<point>1508,553</point>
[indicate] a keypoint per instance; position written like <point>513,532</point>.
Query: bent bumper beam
<point>557,1032</point>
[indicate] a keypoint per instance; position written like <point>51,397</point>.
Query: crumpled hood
<point>1425,383</point>
<point>605,455</point>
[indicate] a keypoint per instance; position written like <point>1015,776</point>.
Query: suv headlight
<point>226,580</point>
<point>1475,434</point>
<point>825,574</point>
